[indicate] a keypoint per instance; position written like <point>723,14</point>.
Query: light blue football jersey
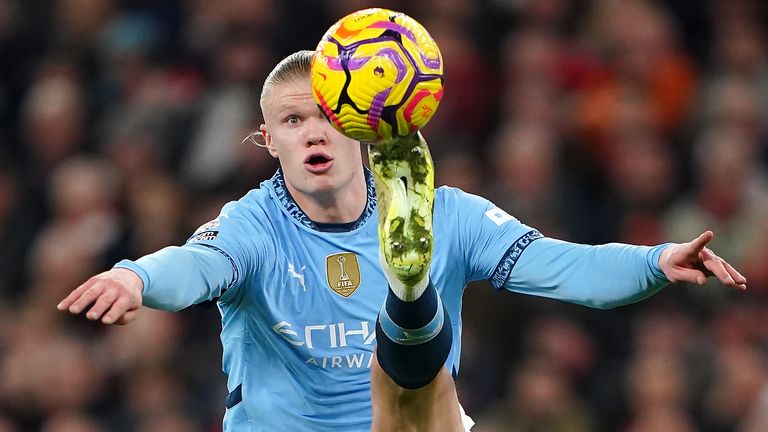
<point>299,304</point>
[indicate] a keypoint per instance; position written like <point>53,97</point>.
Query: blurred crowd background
<point>595,121</point>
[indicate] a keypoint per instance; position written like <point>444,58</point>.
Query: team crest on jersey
<point>343,273</point>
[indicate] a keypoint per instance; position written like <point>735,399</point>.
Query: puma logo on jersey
<point>300,276</point>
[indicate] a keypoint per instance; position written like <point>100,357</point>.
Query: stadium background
<point>595,121</point>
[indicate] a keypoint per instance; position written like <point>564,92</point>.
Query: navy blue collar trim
<point>293,209</point>
<point>334,227</point>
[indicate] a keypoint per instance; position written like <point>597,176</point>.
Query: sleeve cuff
<point>653,262</point>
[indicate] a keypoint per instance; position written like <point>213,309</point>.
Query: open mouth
<point>317,159</point>
<point>318,162</point>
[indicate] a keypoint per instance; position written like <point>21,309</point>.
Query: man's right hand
<point>114,294</point>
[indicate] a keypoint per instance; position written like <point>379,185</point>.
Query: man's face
<point>315,157</point>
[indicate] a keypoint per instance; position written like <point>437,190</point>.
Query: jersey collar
<point>289,204</point>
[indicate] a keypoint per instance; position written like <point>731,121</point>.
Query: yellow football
<point>376,74</point>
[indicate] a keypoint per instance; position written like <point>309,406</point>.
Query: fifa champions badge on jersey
<point>342,271</point>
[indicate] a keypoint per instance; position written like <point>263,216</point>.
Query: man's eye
<point>293,119</point>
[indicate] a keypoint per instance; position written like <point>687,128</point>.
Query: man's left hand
<point>693,262</point>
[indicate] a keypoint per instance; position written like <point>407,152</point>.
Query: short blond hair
<point>294,67</point>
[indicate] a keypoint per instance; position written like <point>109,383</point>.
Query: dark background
<point>594,121</point>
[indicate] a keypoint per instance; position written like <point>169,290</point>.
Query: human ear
<point>268,141</point>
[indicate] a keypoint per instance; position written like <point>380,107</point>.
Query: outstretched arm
<point>614,274</point>
<point>169,279</point>
<point>694,262</point>
<point>516,257</point>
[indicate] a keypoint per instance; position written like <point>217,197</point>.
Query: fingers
<point>722,270</point>
<point>109,299</point>
<point>102,304</point>
<point>714,264</point>
<point>75,295</point>
<point>693,262</point>
<point>698,244</point>
<point>127,317</point>
<point>690,275</point>
<point>738,277</point>
<point>119,309</point>
<point>87,297</point>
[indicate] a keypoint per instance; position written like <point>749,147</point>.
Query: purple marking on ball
<point>353,46</point>
<point>395,57</point>
<point>433,63</point>
<point>353,63</point>
<point>389,25</point>
<point>356,63</point>
<point>377,106</point>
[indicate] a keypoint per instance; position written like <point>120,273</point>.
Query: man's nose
<point>317,132</point>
